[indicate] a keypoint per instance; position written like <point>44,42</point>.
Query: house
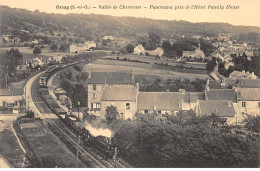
<point>222,108</point>
<point>90,45</point>
<point>160,102</point>
<point>77,48</point>
<point>96,83</point>
<point>188,100</point>
<point>139,50</point>
<point>123,97</point>
<point>248,101</point>
<point>228,64</point>
<point>108,37</point>
<point>58,58</point>
<point>159,51</point>
<point>221,94</point>
<point>35,42</point>
<point>249,53</point>
<point>242,74</point>
<point>194,54</point>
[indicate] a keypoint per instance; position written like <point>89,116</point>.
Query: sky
<point>248,13</point>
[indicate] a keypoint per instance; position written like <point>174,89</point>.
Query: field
<point>11,155</point>
<point>47,149</point>
<point>141,68</point>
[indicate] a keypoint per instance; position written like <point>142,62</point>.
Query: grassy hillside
<point>93,26</point>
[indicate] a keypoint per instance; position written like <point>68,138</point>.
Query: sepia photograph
<point>129,84</point>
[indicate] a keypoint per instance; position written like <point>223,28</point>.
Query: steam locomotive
<point>104,144</point>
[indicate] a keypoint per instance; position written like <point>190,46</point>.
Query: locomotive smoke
<point>98,131</point>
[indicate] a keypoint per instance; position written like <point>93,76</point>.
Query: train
<point>104,144</point>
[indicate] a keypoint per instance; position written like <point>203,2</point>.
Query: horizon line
<point>92,13</point>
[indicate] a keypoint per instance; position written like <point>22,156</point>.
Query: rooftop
<point>245,83</point>
<point>248,94</point>
<point>111,78</point>
<point>168,101</point>
<point>222,108</point>
<point>119,93</point>
<point>222,94</point>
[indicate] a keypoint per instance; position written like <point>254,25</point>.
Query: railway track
<point>64,133</point>
<point>87,155</point>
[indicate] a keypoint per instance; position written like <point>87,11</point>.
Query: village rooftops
<point>245,83</point>
<point>221,94</point>
<point>168,101</point>
<point>119,93</point>
<point>110,78</point>
<point>248,94</point>
<point>192,97</point>
<point>222,108</point>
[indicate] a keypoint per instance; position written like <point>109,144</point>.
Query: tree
<point>211,64</point>
<point>123,51</point>
<point>37,50</point>
<point>111,114</point>
<point>130,48</point>
<point>253,123</point>
<point>10,60</point>
<point>166,45</point>
<point>54,47</point>
<point>62,48</point>
<point>154,40</point>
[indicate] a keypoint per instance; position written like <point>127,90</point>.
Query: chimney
<point>133,74</point>
<point>137,86</point>
<point>89,73</point>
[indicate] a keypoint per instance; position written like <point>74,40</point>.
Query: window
<point>243,104</point>
<point>258,104</point>
<point>145,111</point>
<point>95,106</point>
<point>127,106</point>
<point>94,87</point>
<point>94,95</point>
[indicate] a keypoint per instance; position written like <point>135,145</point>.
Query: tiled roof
<point>119,93</point>
<point>248,83</point>
<point>222,94</point>
<point>221,108</point>
<point>111,78</point>
<point>248,94</point>
<point>192,97</point>
<point>160,100</point>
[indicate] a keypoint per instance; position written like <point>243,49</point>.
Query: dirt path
<point>12,153</point>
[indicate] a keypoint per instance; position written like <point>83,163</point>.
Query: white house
<point>242,74</point>
<point>77,48</point>
<point>139,50</point>
<point>248,101</point>
<point>194,54</point>
<point>90,44</point>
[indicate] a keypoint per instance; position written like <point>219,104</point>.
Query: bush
<point>30,114</point>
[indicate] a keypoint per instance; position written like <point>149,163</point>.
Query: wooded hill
<point>93,26</point>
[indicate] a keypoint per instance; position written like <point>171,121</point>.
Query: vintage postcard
<point>129,84</point>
